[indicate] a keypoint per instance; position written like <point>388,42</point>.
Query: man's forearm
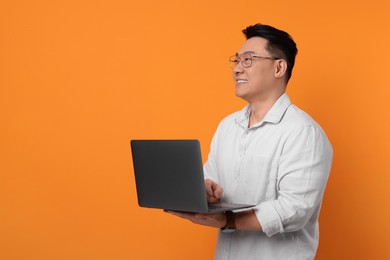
<point>247,220</point>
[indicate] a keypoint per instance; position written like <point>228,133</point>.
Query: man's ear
<point>280,68</point>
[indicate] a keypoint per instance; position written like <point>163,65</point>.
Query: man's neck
<point>260,108</point>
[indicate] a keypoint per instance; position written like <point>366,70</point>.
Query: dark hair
<point>280,44</point>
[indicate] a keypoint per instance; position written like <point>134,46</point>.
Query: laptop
<point>169,175</point>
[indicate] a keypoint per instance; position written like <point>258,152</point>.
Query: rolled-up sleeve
<point>303,171</point>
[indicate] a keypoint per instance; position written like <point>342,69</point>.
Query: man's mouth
<point>241,81</point>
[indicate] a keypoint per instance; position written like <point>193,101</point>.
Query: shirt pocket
<point>259,174</point>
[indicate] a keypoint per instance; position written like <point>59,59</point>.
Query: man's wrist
<point>230,225</point>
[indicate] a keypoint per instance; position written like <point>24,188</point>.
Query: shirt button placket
<point>241,154</point>
<point>239,159</point>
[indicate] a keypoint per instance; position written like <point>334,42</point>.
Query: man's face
<point>258,81</point>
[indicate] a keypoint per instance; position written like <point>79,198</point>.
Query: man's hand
<point>217,220</point>
<point>213,191</point>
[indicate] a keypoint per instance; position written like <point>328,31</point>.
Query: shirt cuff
<point>269,218</point>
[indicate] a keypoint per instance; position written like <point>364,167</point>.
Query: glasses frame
<point>235,59</point>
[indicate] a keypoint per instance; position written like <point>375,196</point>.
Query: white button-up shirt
<point>281,165</point>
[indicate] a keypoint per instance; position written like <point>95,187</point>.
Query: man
<point>270,154</point>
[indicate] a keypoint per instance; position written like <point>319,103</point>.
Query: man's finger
<point>217,191</point>
<point>209,189</point>
<point>180,214</point>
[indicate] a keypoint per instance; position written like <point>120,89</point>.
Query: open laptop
<point>169,175</point>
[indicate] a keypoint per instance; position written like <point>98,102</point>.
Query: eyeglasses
<point>246,59</point>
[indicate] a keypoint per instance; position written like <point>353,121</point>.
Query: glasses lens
<point>233,61</point>
<point>246,60</point>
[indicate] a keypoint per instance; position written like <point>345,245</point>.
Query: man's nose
<point>238,68</point>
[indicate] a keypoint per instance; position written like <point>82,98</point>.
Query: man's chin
<point>240,94</point>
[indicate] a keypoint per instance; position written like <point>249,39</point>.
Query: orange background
<point>79,79</point>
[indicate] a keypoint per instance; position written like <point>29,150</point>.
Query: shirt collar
<point>274,115</point>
